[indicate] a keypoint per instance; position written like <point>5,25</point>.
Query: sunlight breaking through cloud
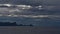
<point>8,5</point>
<point>21,9</point>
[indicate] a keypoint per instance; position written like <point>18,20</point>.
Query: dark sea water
<point>28,30</point>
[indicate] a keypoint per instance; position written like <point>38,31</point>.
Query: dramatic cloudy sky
<point>49,3</point>
<point>52,7</point>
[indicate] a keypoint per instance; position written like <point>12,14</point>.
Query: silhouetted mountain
<point>12,24</point>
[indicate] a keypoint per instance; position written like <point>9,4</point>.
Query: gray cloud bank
<point>50,6</point>
<point>32,2</point>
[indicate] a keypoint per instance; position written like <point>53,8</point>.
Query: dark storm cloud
<point>53,5</point>
<point>32,2</point>
<point>29,2</point>
<point>51,2</point>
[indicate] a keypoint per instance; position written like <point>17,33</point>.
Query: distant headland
<point>12,24</point>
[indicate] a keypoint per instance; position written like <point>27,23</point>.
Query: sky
<point>48,3</point>
<point>51,2</point>
<point>51,7</point>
